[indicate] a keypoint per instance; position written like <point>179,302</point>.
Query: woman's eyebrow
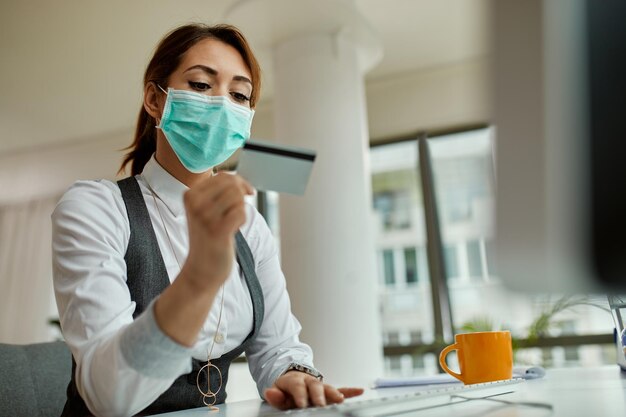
<point>212,71</point>
<point>204,68</point>
<point>242,78</point>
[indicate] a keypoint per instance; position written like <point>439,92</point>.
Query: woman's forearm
<point>182,308</point>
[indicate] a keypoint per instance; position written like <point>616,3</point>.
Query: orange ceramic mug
<point>483,357</point>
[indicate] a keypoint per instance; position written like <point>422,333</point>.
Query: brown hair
<point>164,62</point>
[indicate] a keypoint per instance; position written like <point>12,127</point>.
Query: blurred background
<point>71,88</point>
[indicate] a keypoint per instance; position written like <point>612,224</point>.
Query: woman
<point>169,268</point>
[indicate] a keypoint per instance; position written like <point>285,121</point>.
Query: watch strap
<point>304,368</point>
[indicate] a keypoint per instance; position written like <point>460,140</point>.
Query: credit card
<point>272,167</point>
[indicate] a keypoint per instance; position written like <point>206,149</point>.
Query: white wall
<point>442,97</point>
<point>48,170</point>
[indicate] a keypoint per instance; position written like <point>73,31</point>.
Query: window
<point>418,362</point>
<point>463,181</point>
<point>395,364</point>
<point>416,337</point>
<point>399,214</point>
<point>393,206</point>
<point>390,274</point>
<point>571,353</point>
<point>410,262</point>
<point>395,188</point>
<point>451,261</point>
<point>475,260</point>
<point>393,337</point>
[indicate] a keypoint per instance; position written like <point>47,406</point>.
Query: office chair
<point>33,379</point>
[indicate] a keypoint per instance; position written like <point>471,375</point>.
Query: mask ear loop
<point>157,119</point>
<point>161,88</point>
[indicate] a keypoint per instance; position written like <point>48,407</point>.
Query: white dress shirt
<point>123,365</point>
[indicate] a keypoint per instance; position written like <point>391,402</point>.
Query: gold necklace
<point>209,398</point>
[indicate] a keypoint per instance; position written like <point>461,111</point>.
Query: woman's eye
<point>240,97</point>
<point>198,86</point>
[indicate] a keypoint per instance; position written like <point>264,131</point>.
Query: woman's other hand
<point>297,389</point>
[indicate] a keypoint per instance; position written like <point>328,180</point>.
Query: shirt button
<point>219,338</point>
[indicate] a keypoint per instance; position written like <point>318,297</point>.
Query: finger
<point>316,392</point>
<point>349,392</point>
<point>213,207</point>
<point>212,185</point>
<point>277,398</point>
<point>237,180</point>
<point>204,193</point>
<point>223,203</point>
<point>333,395</point>
<point>297,390</point>
<point>247,187</point>
<point>233,219</point>
<point>212,189</point>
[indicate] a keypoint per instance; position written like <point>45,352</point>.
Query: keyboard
<point>419,398</point>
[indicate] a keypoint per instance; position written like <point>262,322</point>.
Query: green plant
<point>478,324</point>
<point>541,326</point>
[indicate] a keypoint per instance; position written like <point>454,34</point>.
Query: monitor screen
<point>559,99</point>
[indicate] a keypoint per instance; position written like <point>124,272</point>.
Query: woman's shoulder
<point>254,222</point>
<point>91,191</point>
<point>91,198</point>
<point>257,234</point>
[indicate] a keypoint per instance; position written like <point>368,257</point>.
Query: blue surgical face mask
<point>204,131</point>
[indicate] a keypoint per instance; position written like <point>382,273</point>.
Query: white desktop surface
<point>573,392</point>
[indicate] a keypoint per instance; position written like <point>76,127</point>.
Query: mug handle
<point>442,361</point>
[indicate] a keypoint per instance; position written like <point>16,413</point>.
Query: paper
<point>524,372</point>
<point>272,167</point>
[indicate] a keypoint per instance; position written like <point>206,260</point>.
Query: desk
<point>573,392</point>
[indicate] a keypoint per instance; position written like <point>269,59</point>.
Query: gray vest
<point>146,279</point>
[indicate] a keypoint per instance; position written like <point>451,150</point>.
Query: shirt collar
<point>167,188</point>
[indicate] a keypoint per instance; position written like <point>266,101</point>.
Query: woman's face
<point>210,67</point>
<point>214,68</point>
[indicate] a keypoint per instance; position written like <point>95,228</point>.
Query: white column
<point>327,241</point>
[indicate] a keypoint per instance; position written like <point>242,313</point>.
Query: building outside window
<point>406,304</point>
<point>463,179</point>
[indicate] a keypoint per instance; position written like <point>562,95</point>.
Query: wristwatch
<point>294,366</point>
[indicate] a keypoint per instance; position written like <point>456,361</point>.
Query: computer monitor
<point>559,97</point>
